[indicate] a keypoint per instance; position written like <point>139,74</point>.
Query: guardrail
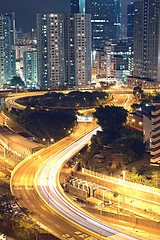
<point>122,182</point>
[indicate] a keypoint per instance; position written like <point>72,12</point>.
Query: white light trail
<point>56,198</point>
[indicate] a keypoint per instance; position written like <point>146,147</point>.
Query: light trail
<point>53,193</point>
<point>57,205</point>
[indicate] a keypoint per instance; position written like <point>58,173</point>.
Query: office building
<point>130,21</point>
<point>13,63</point>
<point>146,63</point>
<point>105,18</point>
<point>64,49</point>
<point>115,61</point>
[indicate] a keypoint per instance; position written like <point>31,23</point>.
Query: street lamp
<point>97,99</point>
<point>85,102</point>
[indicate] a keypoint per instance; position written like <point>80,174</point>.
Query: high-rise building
<point>116,61</point>
<point>105,18</point>
<point>42,51</point>
<point>30,68</point>
<point>82,7</point>
<point>130,21</point>
<point>13,63</point>
<point>2,59</point>
<point>146,63</point>
<point>50,47</point>
<point>5,48</point>
<point>56,57</point>
<point>155,135</point>
<point>21,48</point>
<point>69,49</point>
<point>12,29</point>
<point>82,48</point>
<point>64,49</point>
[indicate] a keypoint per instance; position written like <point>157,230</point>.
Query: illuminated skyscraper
<point>64,49</point>
<point>82,6</point>
<point>42,51</point>
<point>5,48</point>
<point>147,39</point>
<point>30,68</point>
<point>130,21</point>
<point>105,18</point>
<point>82,38</point>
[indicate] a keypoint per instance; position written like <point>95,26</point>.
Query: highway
<point>36,182</point>
<point>119,98</point>
<point>11,99</point>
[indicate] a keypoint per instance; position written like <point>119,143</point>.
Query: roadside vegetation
<point>54,114</point>
<point>115,135</point>
<point>74,99</point>
<point>117,139</point>
<point>19,223</point>
<point>55,124</point>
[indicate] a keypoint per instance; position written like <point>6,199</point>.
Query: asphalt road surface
<point>36,182</point>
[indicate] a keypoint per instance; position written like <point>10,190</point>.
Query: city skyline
<point>105,19</point>
<point>26,11</point>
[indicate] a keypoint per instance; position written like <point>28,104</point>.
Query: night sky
<point>26,10</point>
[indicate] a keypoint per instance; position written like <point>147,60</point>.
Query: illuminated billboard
<point>84,119</point>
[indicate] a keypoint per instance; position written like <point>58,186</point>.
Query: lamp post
<point>97,99</point>
<point>85,102</point>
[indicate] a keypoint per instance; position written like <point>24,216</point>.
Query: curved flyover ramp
<point>36,182</point>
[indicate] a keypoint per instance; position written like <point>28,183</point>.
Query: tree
<point>7,206</point>
<point>155,178</point>
<point>132,175</point>
<point>109,116</point>
<point>133,147</point>
<point>137,92</point>
<point>111,119</point>
<point>43,124</point>
<point>17,81</point>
